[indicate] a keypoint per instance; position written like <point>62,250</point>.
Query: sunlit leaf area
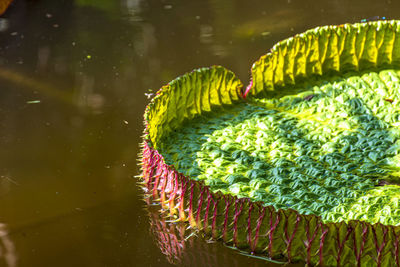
<point>324,151</point>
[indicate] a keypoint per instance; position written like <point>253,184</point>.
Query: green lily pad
<point>309,149</point>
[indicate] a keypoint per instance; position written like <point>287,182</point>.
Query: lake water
<point>75,78</point>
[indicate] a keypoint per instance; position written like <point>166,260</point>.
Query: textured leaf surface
<point>188,96</point>
<point>317,136</point>
<point>322,151</point>
<point>325,51</point>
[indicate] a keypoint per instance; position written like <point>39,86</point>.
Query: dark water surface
<point>73,78</point>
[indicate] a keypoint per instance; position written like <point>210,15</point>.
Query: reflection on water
<point>184,247</point>
<point>8,255</point>
<point>73,77</point>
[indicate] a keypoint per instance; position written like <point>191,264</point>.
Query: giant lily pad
<point>303,164</point>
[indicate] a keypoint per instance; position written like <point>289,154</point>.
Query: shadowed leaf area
<point>331,149</point>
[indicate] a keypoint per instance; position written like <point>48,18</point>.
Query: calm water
<point>73,78</point>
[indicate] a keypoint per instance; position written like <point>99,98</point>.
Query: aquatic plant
<point>303,164</point>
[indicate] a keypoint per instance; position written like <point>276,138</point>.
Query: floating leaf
<point>309,148</point>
